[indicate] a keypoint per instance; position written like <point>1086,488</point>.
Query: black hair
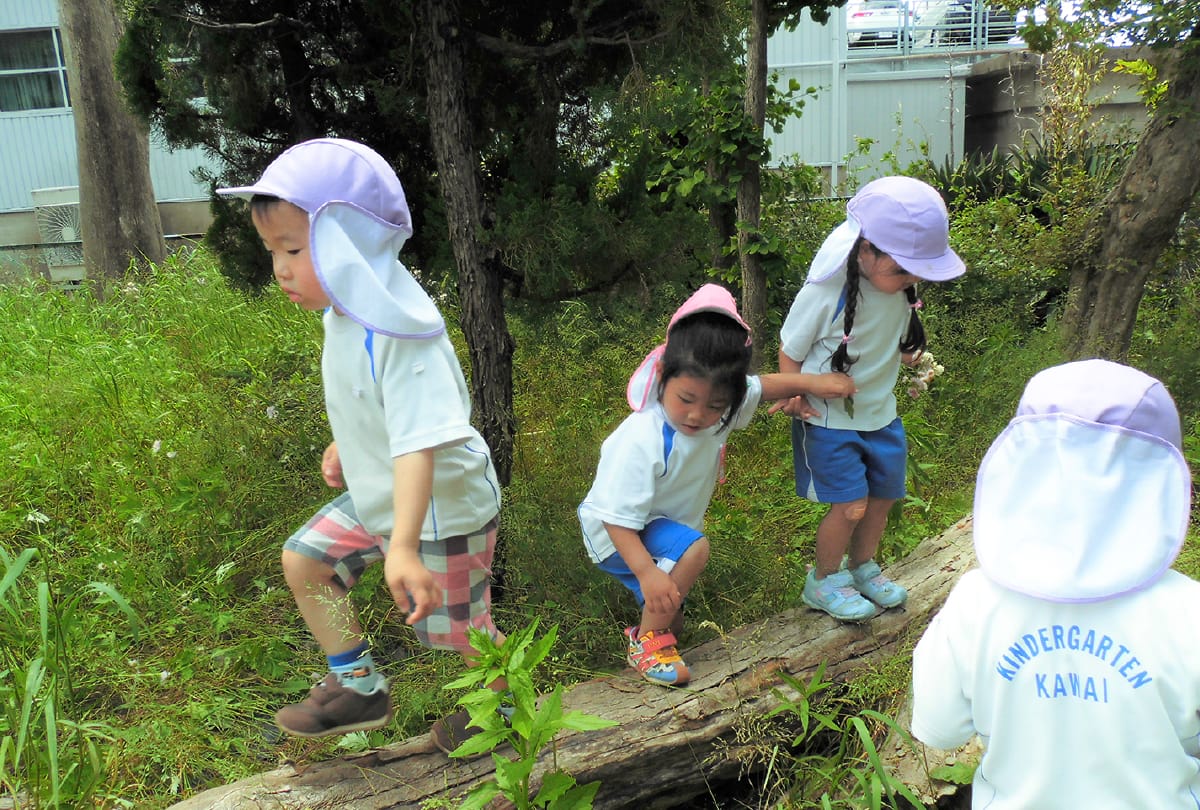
<point>259,203</point>
<point>913,339</point>
<point>713,347</point>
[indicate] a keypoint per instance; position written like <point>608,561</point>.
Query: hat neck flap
<point>834,252</point>
<point>1070,510</point>
<point>356,258</point>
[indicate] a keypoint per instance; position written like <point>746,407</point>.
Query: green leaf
<point>958,773</point>
<point>114,596</point>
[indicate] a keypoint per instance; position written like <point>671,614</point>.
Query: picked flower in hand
<point>921,374</point>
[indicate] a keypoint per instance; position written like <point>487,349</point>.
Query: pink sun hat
<point>709,298</point>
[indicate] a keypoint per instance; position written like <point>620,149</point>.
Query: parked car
<point>871,23</point>
<point>966,22</point>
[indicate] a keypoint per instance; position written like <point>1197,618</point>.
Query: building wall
<point>907,101</point>
<point>1006,93</point>
<point>37,150</point>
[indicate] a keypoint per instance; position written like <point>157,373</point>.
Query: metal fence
<point>915,26</point>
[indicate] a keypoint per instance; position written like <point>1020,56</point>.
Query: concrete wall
<point>1006,94</point>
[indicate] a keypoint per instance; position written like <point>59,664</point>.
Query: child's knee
<point>855,510</point>
<point>299,569</point>
<point>699,551</point>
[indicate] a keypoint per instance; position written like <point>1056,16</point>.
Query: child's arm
<point>794,384</point>
<point>331,467</point>
<point>410,582</point>
<point>788,388</point>
<point>658,589</point>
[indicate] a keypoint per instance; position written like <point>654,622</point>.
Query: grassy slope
<point>165,441</point>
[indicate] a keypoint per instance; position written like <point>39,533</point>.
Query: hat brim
<point>247,192</point>
<point>943,268</point>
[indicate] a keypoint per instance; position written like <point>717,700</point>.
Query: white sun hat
<point>905,218</point>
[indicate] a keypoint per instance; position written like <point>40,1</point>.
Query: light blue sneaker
<point>837,596</point>
<point>871,583</point>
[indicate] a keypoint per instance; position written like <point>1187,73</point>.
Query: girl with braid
<point>857,313</point>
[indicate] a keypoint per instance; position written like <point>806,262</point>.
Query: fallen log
<point>671,744</point>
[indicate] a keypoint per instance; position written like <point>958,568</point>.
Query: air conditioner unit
<point>57,213</point>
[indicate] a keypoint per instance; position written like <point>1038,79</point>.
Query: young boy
<point>1073,650</point>
<point>421,492</point>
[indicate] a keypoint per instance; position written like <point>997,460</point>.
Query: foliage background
<point>162,441</point>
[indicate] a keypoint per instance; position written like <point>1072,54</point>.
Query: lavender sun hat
<point>358,221</point>
<point>1086,494</point>
<point>903,217</point>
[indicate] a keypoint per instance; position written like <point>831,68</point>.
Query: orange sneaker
<point>655,656</point>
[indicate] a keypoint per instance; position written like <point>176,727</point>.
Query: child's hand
<point>413,587</point>
<point>660,591</point>
<point>796,407</point>
<point>331,466</point>
<point>833,385</point>
<point>911,359</point>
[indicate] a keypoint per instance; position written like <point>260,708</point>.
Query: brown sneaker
<point>331,708</point>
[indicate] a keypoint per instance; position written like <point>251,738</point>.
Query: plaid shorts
<point>461,565</point>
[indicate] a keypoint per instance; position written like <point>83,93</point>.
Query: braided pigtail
<point>914,339</point>
<point>841,359</point>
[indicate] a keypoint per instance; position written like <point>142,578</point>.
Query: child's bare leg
<point>323,602</point>
<point>354,695</point>
<point>685,573</point>
<point>864,541</point>
<point>835,533</point>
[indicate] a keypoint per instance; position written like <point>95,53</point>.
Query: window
<point>33,73</point>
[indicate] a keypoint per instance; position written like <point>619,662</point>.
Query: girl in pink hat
<point>857,313</point>
<point>643,518</point>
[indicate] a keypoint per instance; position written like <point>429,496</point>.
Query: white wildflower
<point>272,412</point>
<point>35,516</point>
<point>154,448</point>
<point>918,376</point>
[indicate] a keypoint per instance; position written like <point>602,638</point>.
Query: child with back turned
<point>643,518</point>
<point>1073,649</point>
<point>857,313</point>
<point>421,493</point>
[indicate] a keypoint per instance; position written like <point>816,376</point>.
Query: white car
<point>878,23</point>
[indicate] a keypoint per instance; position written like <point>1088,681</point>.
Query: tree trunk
<point>749,193</point>
<point>1135,223</point>
<point>119,217</point>
<point>671,745</point>
<point>488,340</point>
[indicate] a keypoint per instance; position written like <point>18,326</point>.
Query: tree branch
<point>276,19</point>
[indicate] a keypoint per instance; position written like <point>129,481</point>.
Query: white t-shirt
<point>1079,705</point>
<point>387,397</point>
<point>813,331</point>
<point>648,470</point>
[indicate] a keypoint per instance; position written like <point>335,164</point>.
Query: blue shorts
<point>665,540</point>
<point>839,466</point>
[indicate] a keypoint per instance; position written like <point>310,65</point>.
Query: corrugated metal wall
<point>37,148</point>
<point>898,99</point>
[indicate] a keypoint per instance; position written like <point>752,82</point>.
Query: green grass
<point>163,441</point>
